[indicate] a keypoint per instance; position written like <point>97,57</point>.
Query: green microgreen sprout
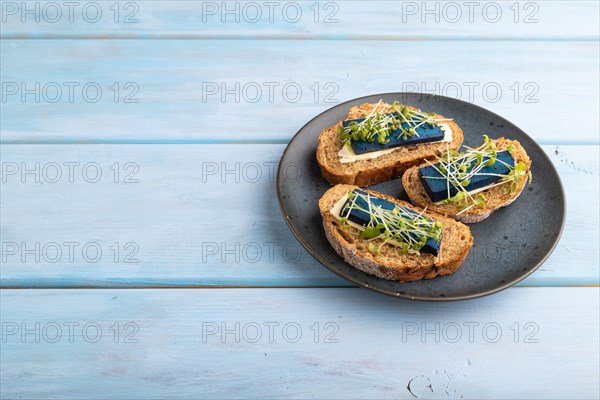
<point>379,125</point>
<point>401,226</point>
<point>458,169</point>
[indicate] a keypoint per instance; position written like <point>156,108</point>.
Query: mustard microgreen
<point>405,227</point>
<point>379,125</point>
<point>459,168</point>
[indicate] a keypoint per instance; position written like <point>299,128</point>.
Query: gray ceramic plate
<point>509,245</point>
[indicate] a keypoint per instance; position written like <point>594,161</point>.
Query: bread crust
<point>495,197</point>
<point>390,263</point>
<point>380,169</point>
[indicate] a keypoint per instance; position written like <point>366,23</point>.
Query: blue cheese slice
<point>360,219</point>
<point>437,187</point>
<point>348,155</point>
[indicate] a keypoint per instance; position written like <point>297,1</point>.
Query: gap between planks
<point>228,142</point>
<point>298,37</point>
<point>134,287</point>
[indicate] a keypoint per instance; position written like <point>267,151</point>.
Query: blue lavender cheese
<point>407,228</point>
<point>436,185</point>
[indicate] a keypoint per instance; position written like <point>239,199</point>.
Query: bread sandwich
<point>378,142</point>
<point>390,238</point>
<point>470,185</point>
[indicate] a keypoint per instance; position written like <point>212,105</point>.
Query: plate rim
<point>497,289</point>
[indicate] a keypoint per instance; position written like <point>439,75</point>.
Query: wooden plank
<point>185,91</point>
<point>202,215</point>
<point>368,345</point>
<point>541,20</point>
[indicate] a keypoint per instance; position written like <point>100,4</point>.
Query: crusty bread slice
<point>391,263</point>
<point>496,197</point>
<point>380,169</point>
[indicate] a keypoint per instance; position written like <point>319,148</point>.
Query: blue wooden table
<point>143,252</point>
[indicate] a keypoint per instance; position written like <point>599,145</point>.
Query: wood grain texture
<point>373,347</point>
<point>191,212</point>
<point>334,20</point>
<point>187,91</point>
<point>205,215</point>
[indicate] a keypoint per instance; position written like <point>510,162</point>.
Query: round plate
<point>509,245</point>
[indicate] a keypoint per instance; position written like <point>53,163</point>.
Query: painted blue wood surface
<point>335,20</point>
<point>179,88</point>
<point>552,63</point>
<point>167,218</point>
<point>374,346</point>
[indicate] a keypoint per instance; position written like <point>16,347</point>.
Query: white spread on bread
<point>347,154</point>
<point>336,211</point>
<point>475,191</point>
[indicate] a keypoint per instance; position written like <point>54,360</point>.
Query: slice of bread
<point>496,197</point>
<point>380,169</point>
<point>390,263</point>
